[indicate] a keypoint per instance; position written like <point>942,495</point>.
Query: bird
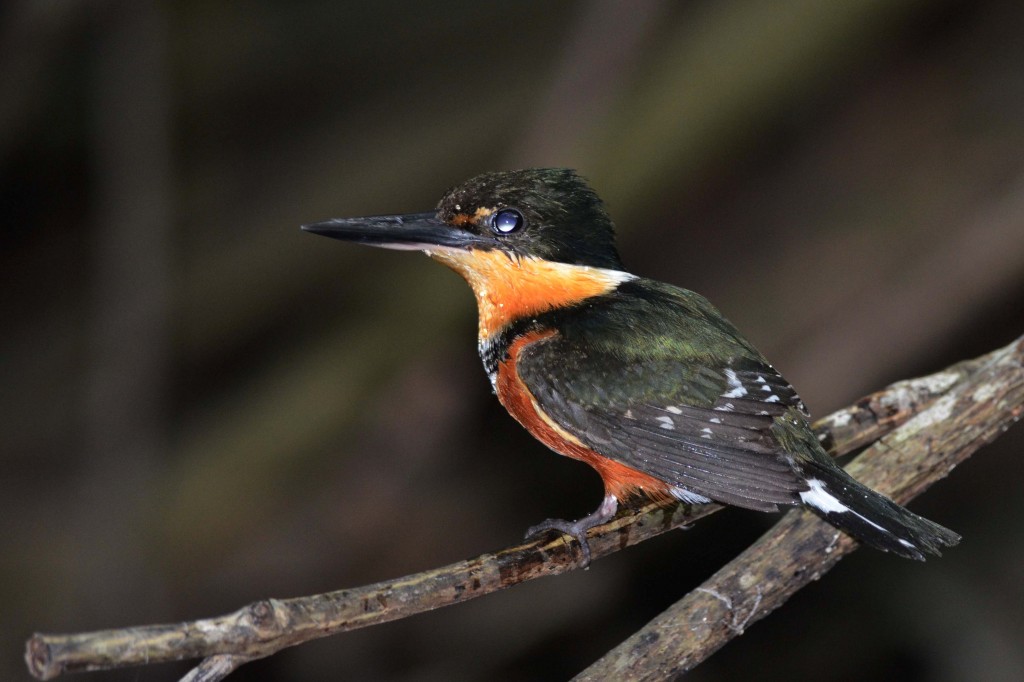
<point>646,382</point>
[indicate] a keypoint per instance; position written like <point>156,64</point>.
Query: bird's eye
<point>507,221</point>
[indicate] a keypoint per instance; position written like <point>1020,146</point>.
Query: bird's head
<point>549,214</point>
<point>525,240</point>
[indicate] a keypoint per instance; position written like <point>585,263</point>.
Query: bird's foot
<point>578,529</point>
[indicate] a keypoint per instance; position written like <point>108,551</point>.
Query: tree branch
<point>957,410</point>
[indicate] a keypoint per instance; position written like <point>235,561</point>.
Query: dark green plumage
<point>637,375</point>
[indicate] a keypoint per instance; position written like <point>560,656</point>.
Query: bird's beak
<point>412,231</point>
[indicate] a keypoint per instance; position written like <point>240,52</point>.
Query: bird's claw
<point>577,530</point>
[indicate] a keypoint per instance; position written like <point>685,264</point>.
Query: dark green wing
<point>653,377</point>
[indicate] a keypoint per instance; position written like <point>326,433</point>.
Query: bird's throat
<point>509,287</point>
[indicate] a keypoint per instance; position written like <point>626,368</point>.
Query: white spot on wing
<point>684,495</point>
<point>706,433</point>
<point>667,423</point>
<point>736,389</point>
<point>673,409</point>
<point>819,498</point>
<point>772,399</point>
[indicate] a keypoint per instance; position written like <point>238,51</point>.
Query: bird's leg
<point>578,529</point>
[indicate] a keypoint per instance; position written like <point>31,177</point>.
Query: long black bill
<point>412,231</point>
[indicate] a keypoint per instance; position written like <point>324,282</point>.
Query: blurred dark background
<point>203,406</point>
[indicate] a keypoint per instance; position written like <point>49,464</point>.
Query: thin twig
<point>267,626</point>
<point>801,548</point>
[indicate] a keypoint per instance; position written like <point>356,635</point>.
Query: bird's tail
<point>871,517</point>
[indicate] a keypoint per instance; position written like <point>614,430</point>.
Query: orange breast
<point>619,479</point>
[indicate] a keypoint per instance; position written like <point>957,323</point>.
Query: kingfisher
<point>644,381</point>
